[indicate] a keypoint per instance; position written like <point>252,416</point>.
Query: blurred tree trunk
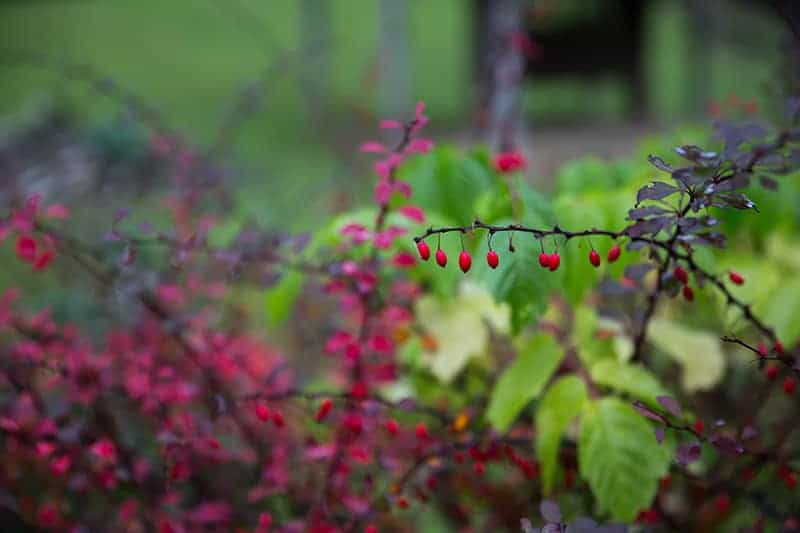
<point>394,70</point>
<point>505,67</point>
<point>315,29</point>
<point>701,47</point>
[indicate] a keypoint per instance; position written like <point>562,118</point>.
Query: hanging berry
<point>262,412</point>
<point>421,431</point>
<point>681,275</point>
<point>441,258</point>
<point>492,259</point>
<point>544,260</point>
<point>778,347</point>
<point>424,250</point>
<point>736,278</point>
<point>788,385</point>
<point>613,253</point>
<point>554,261</point>
<point>699,425</point>
<point>324,408</point>
<point>594,258</point>
<point>392,426</point>
<point>464,261</point>
<point>688,293</point>
<point>772,372</point>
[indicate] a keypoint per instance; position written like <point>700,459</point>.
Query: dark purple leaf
<point>659,431</point>
<point>711,238</point>
<point>655,191</point>
<point>735,200</point>
<point>670,404</point>
<point>121,215</point>
<point>727,445</point>
<point>647,412</point>
<point>641,212</point>
<point>551,528</point>
<point>696,154</point>
<point>659,163</point>
<point>749,432</point>
<point>649,226</point>
<point>550,510</point>
<point>687,178</point>
<point>688,453</point>
<point>739,181</point>
<point>768,183</point>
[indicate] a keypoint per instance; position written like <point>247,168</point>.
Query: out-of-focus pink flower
<point>509,162</point>
<point>372,147</point>
<point>44,260</point>
<point>338,341</point>
<point>390,124</point>
<point>56,211</point>
<point>357,232</point>
<point>420,120</point>
<point>210,513</point>
<point>413,212</point>
<point>105,450</point>
<point>419,146</point>
<point>26,248</point>
<point>404,260</point>
<point>403,188</point>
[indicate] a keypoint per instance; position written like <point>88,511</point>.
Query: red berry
<point>613,253</point>
<point>371,529</point>
<point>354,423</point>
<point>699,425</point>
<point>277,419</point>
<point>441,258</point>
<point>772,372</point>
<point>722,503</point>
<point>492,259</point>
<point>421,431</point>
<point>554,261</point>
<point>262,412</point>
<point>324,408</point>
<point>392,426</point>
<point>402,503</point>
<point>26,248</point>
<point>665,482</point>
<point>688,293</point>
<point>359,390</point>
<point>763,351</point>
<point>479,468</point>
<point>778,347</point>
<point>788,385</point>
<point>681,275</point>
<point>790,480</point>
<point>736,278</point>
<point>424,250</point>
<point>594,258</point>
<point>459,457</point>
<point>464,261</point>
<point>544,260</point>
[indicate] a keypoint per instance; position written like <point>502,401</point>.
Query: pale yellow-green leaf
<point>460,326</point>
<point>523,380</point>
<point>561,403</point>
<point>698,352</point>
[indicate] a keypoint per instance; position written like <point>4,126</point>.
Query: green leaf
<point>620,459</point>
<point>631,379</point>
<point>562,402</point>
<point>523,380</point>
<point>280,298</point>
<point>698,352</point>
<point>782,310</point>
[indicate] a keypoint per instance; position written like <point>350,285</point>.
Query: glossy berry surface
<point>441,258</point>
<point>736,278</point>
<point>788,385</point>
<point>424,250</point>
<point>554,261</point>
<point>492,259</point>
<point>464,261</point>
<point>544,260</point>
<point>681,275</point>
<point>594,258</point>
<point>614,253</point>
<point>688,293</point>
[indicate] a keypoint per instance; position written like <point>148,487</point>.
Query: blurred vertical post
<point>315,28</point>
<point>394,69</point>
<point>702,39</point>
<point>506,65</point>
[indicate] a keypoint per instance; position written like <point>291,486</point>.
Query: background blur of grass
<point>190,57</point>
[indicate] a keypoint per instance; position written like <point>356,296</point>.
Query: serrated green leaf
<point>632,379</point>
<point>620,458</point>
<point>280,299</point>
<point>523,380</point>
<point>698,352</point>
<point>562,402</point>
